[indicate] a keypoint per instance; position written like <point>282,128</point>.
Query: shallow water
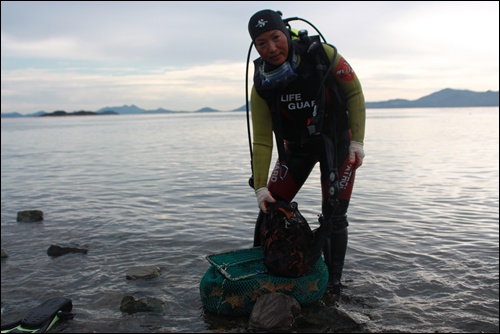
<point>168,190</point>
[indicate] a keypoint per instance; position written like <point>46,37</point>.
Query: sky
<point>187,55</point>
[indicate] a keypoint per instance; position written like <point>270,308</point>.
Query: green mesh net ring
<point>236,279</point>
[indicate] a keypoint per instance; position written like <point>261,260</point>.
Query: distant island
<point>77,113</point>
<point>446,98</point>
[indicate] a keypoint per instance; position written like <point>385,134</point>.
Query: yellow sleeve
<point>262,139</point>
<point>350,87</point>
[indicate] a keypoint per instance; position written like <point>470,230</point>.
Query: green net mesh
<point>237,278</point>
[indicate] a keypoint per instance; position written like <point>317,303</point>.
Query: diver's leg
<point>284,183</point>
<point>335,208</point>
<point>334,252</point>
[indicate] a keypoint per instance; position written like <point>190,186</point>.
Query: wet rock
<point>334,318</point>
<point>274,312</point>
<point>132,305</point>
<point>143,272</point>
<point>55,250</point>
<point>30,216</point>
<point>4,253</point>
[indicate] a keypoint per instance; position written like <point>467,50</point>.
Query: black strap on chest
<point>310,49</point>
<point>323,71</point>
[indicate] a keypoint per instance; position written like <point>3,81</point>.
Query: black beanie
<point>266,20</point>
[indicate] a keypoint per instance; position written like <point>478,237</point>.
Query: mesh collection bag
<point>237,278</point>
<point>290,247</point>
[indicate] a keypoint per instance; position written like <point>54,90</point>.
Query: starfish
<point>288,286</point>
<point>235,300</point>
<point>267,285</point>
<point>216,292</point>
<point>253,295</point>
<point>313,285</point>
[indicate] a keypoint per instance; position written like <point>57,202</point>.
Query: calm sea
<point>168,190</point>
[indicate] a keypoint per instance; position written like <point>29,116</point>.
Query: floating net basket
<point>237,278</point>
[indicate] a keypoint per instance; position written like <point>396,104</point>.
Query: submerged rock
<point>30,216</point>
<point>334,319</point>
<point>55,250</point>
<point>132,305</point>
<point>143,272</point>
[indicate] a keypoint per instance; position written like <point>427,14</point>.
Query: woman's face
<point>272,46</point>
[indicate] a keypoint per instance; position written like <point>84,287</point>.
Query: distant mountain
<point>131,110</point>
<point>442,99</point>
<point>78,113</point>
<point>445,98</point>
<point>206,110</point>
<point>242,108</point>
<point>59,113</point>
<point>12,115</point>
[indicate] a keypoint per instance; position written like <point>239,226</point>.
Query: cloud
<point>191,54</point>
<point>216,85</point>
